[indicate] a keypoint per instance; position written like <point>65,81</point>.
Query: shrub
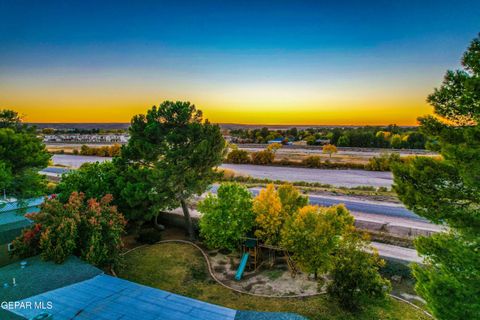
<point>59,238</point>
<point>100,232</point>
<point>89,229</point>
<point>27,244</point>
<point>238,156</point>
<point>312,162</point>
<point>356,280</point>
<point>227,217</point>
<point>263,157</point>
<point>149,236</point>
<point>382,162</point>
<point>104,151</point>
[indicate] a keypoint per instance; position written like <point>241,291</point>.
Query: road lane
<point>335,177</point>
<point>386,209</point>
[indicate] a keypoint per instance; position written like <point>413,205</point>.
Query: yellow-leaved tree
<point>330,149</point>
<point>273,208</point>
<point>268,210</point>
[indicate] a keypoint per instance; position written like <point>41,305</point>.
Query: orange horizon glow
<point>301,116</point>
<point>269,106</point>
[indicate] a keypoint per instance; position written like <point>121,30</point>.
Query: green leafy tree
<point>227,217</point>
<point>291,200</point>
<point>22,155</point>
<point>343,141</point>
<point>355,280</point>
<point>447,191</point>
<point>180,152</point>
<point>129,183</point>
<point>396,141</point>
<point>95,180</point>
<point>313,235</point>
<point>10,119</point>
<point>383,162</point>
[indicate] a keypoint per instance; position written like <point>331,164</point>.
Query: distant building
<point>86,138</point>
<point>322,141</point>
<point>300,143</point>
<point>276,140</point>
<point>280,140</point>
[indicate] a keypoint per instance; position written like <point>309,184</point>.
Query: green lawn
<point>180,268</point>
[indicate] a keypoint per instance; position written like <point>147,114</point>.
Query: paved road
<point>378,208</point>
<point>401,254</point>
<point>346,178</point>
<point>340,177</point>
<point>76,161</point>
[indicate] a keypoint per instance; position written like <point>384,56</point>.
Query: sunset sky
<point>269,62</point>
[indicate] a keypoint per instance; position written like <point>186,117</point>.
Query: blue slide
<point>241,268</point>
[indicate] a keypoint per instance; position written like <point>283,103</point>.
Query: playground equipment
<point>252,251</point>
<point>241,268</point>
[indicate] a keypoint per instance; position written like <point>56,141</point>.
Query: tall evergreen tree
<point>179,149</point>
<point>447,191</point>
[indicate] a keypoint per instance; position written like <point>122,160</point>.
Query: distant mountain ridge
<point>228,126</point>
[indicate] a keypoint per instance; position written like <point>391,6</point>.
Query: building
<point>77,290</point>
<point>86,138</point>
<point>13,221</point>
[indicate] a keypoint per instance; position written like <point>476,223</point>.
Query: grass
<point>180,268</point>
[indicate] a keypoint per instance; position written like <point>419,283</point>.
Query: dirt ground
<point>274,280</point>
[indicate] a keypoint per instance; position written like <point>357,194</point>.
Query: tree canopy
<point>180,151</point>
<point>22,155</point>
<point>227,217</point>
<point>447,191</point>
<point>313,235</point>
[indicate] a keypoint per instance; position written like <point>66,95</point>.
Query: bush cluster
<point>383,162</point>
<point>263,157</point>
<point>238,156</point>
<point>89,229</point>
<point>104,151</point>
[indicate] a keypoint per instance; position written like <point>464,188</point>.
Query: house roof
<point>12,217</point>
<point>280,139</point>
<point>104,297</point>
<point>39,277</point>
<point>78,290</point>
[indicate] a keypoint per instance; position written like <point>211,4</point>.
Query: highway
<point>379,208</point>
<point>335,177</point>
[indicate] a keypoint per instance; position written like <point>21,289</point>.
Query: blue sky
<point>231,57</point>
